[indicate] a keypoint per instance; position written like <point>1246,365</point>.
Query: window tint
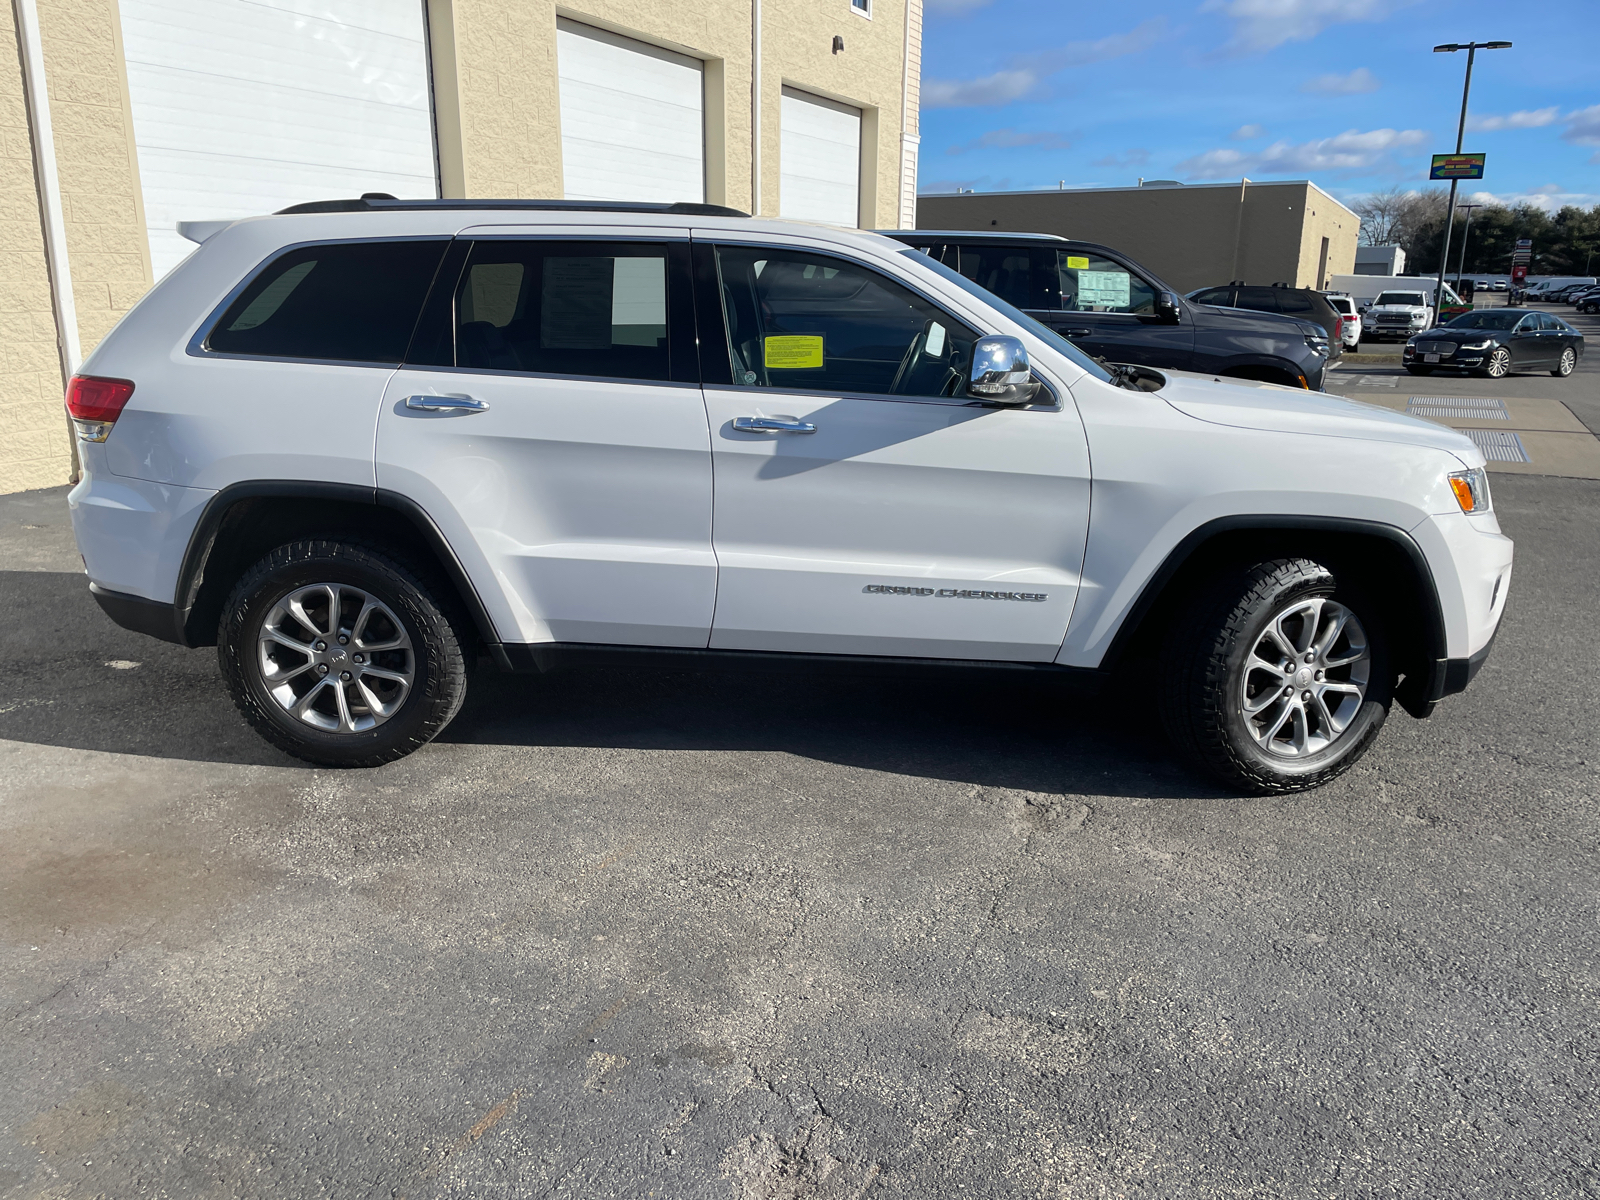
<point>1220,296</point>
<point>1019,275</point>
<point>1089,283</point>
<point>1341,305</point>
<point>1298,303</point>
<point>564,308</point>
<point>802,320</point>
<point>347,302</point>
<point>1262,299</point>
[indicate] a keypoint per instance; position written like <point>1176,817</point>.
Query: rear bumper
<point>138,613</point>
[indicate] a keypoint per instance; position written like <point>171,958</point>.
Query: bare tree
<point>1380,213</point>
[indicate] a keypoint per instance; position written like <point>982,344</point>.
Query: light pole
<point>1461,263</point>
<point>1472,49</point>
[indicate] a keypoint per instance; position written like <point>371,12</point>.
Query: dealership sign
<point>1457,166</point>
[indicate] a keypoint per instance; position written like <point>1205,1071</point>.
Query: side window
<point>1296,304</point>
<point>810,321</point>
<point>1221,297</point>
<point>1020,276</point>
<point>564,308</point>
<point>1090,283</point>
<point>340,302</point>
<point>1262,299</point>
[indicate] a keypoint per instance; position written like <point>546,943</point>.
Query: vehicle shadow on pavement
<point>70,677</point>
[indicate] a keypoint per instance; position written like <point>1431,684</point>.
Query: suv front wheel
<point>337,654</point>
<point>1282,677</point>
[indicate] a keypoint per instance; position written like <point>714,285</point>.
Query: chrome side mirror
<point>1000,371</point>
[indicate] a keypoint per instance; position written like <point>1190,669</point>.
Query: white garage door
<point>247,108</point>
<point>821,160</point>
<point>632,118</point>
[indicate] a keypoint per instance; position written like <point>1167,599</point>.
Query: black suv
<point>1116,310</point>
<point>1279,298</point>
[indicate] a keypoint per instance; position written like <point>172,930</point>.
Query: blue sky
<point>1027,93</point>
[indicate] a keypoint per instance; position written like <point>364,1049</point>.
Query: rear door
<point>862,506</point>
<point>549,419</point>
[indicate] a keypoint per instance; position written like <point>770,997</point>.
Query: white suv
<point>359,445</point>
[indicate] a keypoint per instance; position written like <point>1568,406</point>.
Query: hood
<point>1397,308</point>
<point>1245,404</point>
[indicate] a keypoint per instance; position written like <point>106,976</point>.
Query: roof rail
<point>382,202</point>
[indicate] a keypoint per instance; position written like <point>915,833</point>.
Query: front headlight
<point>1483,345</point>
<point>1471,489</point>
<point>1319,345</point>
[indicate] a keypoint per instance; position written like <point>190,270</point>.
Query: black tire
<point>1420,370</point>
<point>433,659</point>
<point>1204,713</point>
<point>1568,361</point>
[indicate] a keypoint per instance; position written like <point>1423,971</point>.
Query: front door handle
<point>772,425</point>
<point>1072,333</point>
<point>446,404</point>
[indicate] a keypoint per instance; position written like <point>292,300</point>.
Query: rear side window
<point>1298,303</point>
<point>564,308</point>
<point>1222,297</point>
<point>342,302</point>
<point>1262,299</point>
<point>1021,276</point>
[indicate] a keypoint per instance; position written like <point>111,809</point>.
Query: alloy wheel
<point>1568,361</point>
<point>336,658</point>
<point>1499,364</point>
<point>1305,679</point>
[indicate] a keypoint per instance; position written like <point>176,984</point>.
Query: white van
<point>1554,283</point>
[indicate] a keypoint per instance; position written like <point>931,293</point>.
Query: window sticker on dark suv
<point>339,302</point>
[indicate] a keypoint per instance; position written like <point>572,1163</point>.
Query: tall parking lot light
<point>1461,263</point>
<point>1472,49</point>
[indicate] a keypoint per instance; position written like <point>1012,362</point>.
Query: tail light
<point>95,404</point>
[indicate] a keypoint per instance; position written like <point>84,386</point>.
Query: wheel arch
<point>245,520</point>
<point>1383,557</point>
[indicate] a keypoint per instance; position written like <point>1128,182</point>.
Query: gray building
<point>1380,260</point>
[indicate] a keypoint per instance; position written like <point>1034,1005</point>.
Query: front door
<point>862,507</point>
<point>1527,344</point>
<point>550,421</point>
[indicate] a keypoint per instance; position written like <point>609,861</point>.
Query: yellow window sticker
<point>1075,263</point>
<point>794,352</point>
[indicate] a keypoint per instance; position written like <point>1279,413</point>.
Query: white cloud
<point>1247,133</point>
<point>1079,54</point>
<point>1358,81</point>
<point>1550,197</point>
<point>1527,119</point>
<point>1260,25</point>
<point>1009,139</point>
<point>1027,70</point>
<point>1133,158</point>
<point>1583,127</point>
<point>1346,153</point>
<point>1000,88</point>
<point>956,8</point>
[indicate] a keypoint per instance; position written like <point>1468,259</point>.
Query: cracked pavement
<point>787,938</point>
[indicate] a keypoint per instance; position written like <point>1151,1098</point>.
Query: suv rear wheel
<point>1282,677</point>
<point>337,654</point>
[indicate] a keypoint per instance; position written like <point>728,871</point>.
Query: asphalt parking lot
<point>771,939</point>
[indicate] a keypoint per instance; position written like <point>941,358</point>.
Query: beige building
<point>1192,236</point>
<point>122,119</point>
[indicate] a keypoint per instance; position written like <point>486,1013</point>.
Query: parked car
<point>1303,303</point>
<point>1588,302</point>
<point>1398,315</point>
<point>1501,285</point>
<point>1350,325</point>
<point>361,444</point>
<point>1495,342</point>
<point>1119,311</point>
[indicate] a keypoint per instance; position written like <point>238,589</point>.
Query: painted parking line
<point>1499,445</point>
<point>1461,408</point>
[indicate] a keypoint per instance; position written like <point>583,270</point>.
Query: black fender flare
<point>202,540</point>
<point>1417,694</point>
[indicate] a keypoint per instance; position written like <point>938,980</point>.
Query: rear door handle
<point>772,425</point>
<point>446,404</point>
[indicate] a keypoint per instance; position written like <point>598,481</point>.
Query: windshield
<point>1487,320</point>
<point>1043,332</point>
<point>1415,299</point>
